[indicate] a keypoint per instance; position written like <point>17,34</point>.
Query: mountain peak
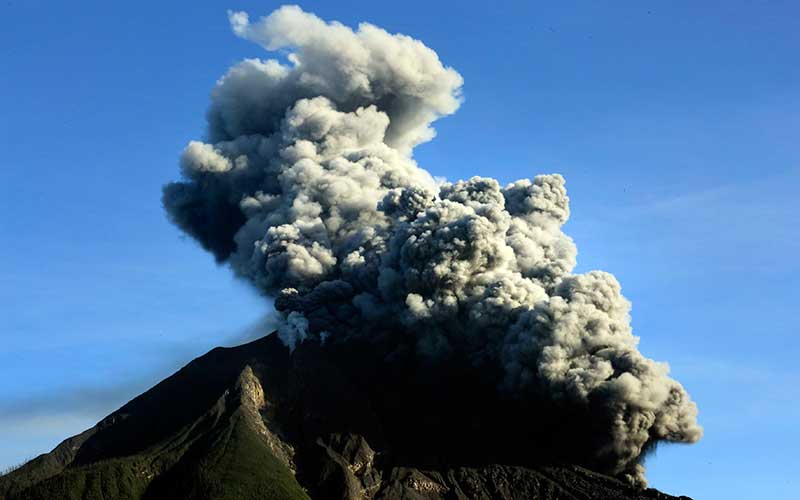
<point>259,421</point>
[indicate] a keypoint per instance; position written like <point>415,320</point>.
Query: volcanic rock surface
<point>260,422</point>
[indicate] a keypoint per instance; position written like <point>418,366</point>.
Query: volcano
<point>260,421</point>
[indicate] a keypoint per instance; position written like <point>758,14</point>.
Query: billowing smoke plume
<point>306,186</point>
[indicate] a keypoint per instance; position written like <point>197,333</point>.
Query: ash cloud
<point>306,186</point>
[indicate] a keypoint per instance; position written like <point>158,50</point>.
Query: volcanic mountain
<point>259,421</point>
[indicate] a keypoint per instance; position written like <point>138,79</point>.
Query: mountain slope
<point>256,421</point>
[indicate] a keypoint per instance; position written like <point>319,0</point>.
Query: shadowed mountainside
<point>256,421</point>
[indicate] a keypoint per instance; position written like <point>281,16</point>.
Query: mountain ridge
<point>259,421</point>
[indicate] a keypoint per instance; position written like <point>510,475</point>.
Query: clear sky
<point>676,125</point>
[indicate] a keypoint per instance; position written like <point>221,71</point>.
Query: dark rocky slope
<point>255,421</point>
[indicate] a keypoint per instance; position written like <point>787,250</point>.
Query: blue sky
<point>676,125</point>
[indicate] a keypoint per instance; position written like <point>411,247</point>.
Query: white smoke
<point>307,187</point>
